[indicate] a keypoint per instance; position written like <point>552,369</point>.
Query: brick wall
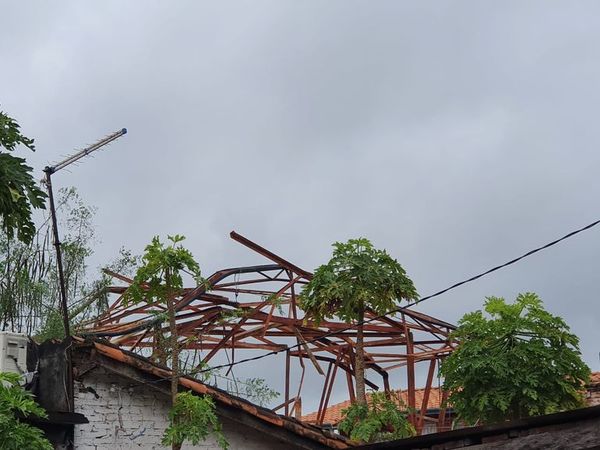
<point>126,416</point>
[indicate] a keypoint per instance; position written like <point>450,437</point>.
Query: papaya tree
<point>159,279</point>
<point>514,361</point>
<point>357,278</point>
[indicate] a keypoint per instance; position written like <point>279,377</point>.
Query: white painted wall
<point>126,416</point>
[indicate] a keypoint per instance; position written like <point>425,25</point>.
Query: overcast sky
<point>456,135</point>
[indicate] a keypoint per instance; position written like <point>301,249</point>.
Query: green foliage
<point>277,301</point>
<point>192,419</point>
<point>53,327</point>
<point>381,419</point>
<point>29,290</point>
<point>257,391</point>
<point>160,262</point>
<point>232,315</point>
<point>357,274</point>
<point>19,192</point>
<point>254,390</point>
<point>356,278</point>
<point>159,279</point>
<point>520,361</point>
<point>14,400</point>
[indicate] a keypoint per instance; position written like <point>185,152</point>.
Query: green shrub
<point>380,419</point>
<point>14,400</point>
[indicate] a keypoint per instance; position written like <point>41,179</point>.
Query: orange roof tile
<point>334,413</point>
<point>593,390</point>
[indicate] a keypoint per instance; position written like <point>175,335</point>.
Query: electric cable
<point>400,309</point>
<point>416,302</point>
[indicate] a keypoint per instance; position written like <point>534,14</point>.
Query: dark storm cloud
<point>456,135</point>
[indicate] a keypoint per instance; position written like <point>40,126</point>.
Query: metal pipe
<point>61,275</point>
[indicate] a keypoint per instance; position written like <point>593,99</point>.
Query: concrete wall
<point>124,416</point>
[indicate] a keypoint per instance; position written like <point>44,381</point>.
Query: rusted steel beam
<point>442,415</point>
<point>284,404</point>
<point>322,407</point>
<point>426,394</point>
<point>429,319</point>
<point>292,311</point>
<point>142,336</point>
<point>300,384</point>
<point>232,332</point>
<point>276,296</point>
<point>287,383</point>
<point>309,352</point>
<point>263,329</point>
<point>269,255</point>
<point>410,374</point>
<point>234,284</point>
<point>329,389</point>
<point>258,292</point>
<point>386,381</point>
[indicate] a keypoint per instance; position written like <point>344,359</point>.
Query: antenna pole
<point>49,170</point>
<point>61,275</point>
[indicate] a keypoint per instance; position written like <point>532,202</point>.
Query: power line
<point>436,294</point>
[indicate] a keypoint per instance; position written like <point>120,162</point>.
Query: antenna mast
<point>49,171</point>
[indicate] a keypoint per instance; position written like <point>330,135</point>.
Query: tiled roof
<point>593,390</point>
<point>221,397</point>
<point>334,413</point>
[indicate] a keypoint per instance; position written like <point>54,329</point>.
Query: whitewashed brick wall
<point>126,416</point>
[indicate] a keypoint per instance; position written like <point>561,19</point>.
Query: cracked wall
<point>126,416</point>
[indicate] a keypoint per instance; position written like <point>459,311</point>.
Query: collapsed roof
<point>256,308</point>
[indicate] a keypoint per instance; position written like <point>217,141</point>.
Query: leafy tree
<point>159,280</point>
<point>18,190</point>
<point>256,390</point>
<point>192,419</point>
<point>357,277</point>
<point>519,361</point>
<point>380,419</point>
<point>16,402</point>
<point>29,279</point>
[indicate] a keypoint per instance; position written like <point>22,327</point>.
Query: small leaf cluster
<point>18,190</point>
<point>357,276</point>
<point>517,361</point>
<point>14,400</point>
<point>380,419</point>
<point>258,391</point>
<point>277,301</point>
<point>192,418</point>
<point>159,276</point>
<point>229,315</point>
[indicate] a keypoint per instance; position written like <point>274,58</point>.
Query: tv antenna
<point>49,171</point>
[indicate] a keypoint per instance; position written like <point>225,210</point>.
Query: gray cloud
<point>456,135</point>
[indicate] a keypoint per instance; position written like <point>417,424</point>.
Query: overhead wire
<point>400,309</point>
<point>416,302</point>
